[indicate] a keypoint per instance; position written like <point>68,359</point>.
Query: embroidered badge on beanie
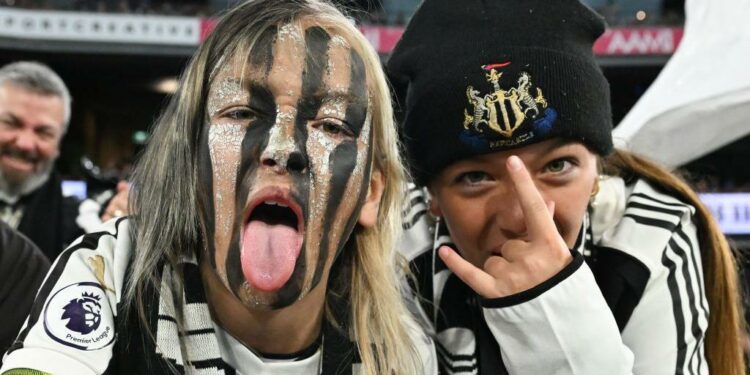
<point>505,116</point>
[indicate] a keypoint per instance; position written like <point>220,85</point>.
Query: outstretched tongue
<point>269,253</point>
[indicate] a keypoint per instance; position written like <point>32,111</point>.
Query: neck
<point>283,331</point>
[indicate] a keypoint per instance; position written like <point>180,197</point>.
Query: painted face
<point>31,126</point>
<point>477,200</point>
<point>285,162</point>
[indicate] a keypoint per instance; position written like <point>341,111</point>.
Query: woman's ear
<point>432,202</point>
<point>368,217</point>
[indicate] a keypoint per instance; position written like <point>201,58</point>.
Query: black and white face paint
<point>285,163</point>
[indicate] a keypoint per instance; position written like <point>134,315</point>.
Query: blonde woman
<point>550,252</point>
<point>263,211</point>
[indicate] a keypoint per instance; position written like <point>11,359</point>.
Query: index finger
<point>536,214</point>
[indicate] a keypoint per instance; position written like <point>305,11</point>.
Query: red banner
<point>639,41</point>
<point>207,26</point>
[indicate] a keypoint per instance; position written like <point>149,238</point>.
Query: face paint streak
<point>337,80</point>
<point>261,56</point>
<point>229,91</point>
<point>205,194</point>
<point>356,112</point>
<point>350,174</point>
<point>342,160</point>
<point>316,57</point>
<point>224,141</point>
<point>290,32</point>
<point>255,140</point>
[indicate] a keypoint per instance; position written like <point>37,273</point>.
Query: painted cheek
<point>224,144</point>
<point>319,148</point>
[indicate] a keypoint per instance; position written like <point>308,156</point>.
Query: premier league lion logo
<point>84,313</point>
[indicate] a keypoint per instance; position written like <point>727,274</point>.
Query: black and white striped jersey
<point>78,326</point>
<point>631,302</point>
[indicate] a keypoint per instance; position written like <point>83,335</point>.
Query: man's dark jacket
<point>49,219</point>
<point>22,270</point>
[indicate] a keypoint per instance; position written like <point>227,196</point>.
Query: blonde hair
<point>166,207</point>
<point>726,322</point>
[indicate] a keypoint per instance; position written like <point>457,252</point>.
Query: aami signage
<point>731,210</point>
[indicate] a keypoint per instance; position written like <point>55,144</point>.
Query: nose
<point>282,153</point>
<point>25,141</point>
<point>508,214</point>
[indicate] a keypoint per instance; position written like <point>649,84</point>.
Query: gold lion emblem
<point>513,105</point>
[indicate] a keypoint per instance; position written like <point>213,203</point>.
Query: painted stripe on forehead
<point>356,111</point>
<point>261,55</point>
<point>316,62</point>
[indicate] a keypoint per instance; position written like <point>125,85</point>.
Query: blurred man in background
<point>17,284</point>
<point>34,115</point>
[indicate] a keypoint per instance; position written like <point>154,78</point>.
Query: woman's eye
<point>473,177</point>
<point>558,166</point>
<point>239,114</point>
<point>333,128</point>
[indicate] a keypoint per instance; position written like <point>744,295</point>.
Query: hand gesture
<point>525,263</point>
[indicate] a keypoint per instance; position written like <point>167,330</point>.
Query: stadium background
<point>121,58</point>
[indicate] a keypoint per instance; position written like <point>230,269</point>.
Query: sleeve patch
<point>77,316</point>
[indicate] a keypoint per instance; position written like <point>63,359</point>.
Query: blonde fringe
<point>726,324</point>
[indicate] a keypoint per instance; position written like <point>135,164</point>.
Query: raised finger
<point>478,280</point>
<point>535,211</point>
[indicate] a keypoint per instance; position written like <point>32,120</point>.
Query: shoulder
<point>72,321</point>
<point>15,248</point>
<point>638,219</point>
<point>417,237</point>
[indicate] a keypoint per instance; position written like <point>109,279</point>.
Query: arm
<point>667,329</point>
<point>562,326</point>
<point>72,321</point>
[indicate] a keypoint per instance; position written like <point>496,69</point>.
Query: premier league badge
<point>78,316</point>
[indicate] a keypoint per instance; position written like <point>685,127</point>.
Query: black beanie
<point>485,76</point>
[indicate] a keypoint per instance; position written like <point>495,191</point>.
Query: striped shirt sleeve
<point>71,325</point>
<point>668,327</point>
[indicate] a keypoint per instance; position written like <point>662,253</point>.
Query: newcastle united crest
<point>496,119</point>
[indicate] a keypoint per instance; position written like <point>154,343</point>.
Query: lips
<point>271,240</point>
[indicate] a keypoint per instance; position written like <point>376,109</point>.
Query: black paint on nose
<point>297,162</point>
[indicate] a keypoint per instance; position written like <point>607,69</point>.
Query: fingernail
<point>514,162</point>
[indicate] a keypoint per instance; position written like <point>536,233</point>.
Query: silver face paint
<point>229,91</point>
<point>290,31</point>
<point>224,143</point>
<point>281,138</point>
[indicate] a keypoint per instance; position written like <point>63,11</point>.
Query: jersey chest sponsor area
<point>78,316</point>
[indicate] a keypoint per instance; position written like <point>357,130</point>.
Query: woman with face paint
<point>547,251</point>
<point>263,213</point>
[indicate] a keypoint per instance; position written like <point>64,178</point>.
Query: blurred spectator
<point>22,270</point>
<point>34,115</point>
